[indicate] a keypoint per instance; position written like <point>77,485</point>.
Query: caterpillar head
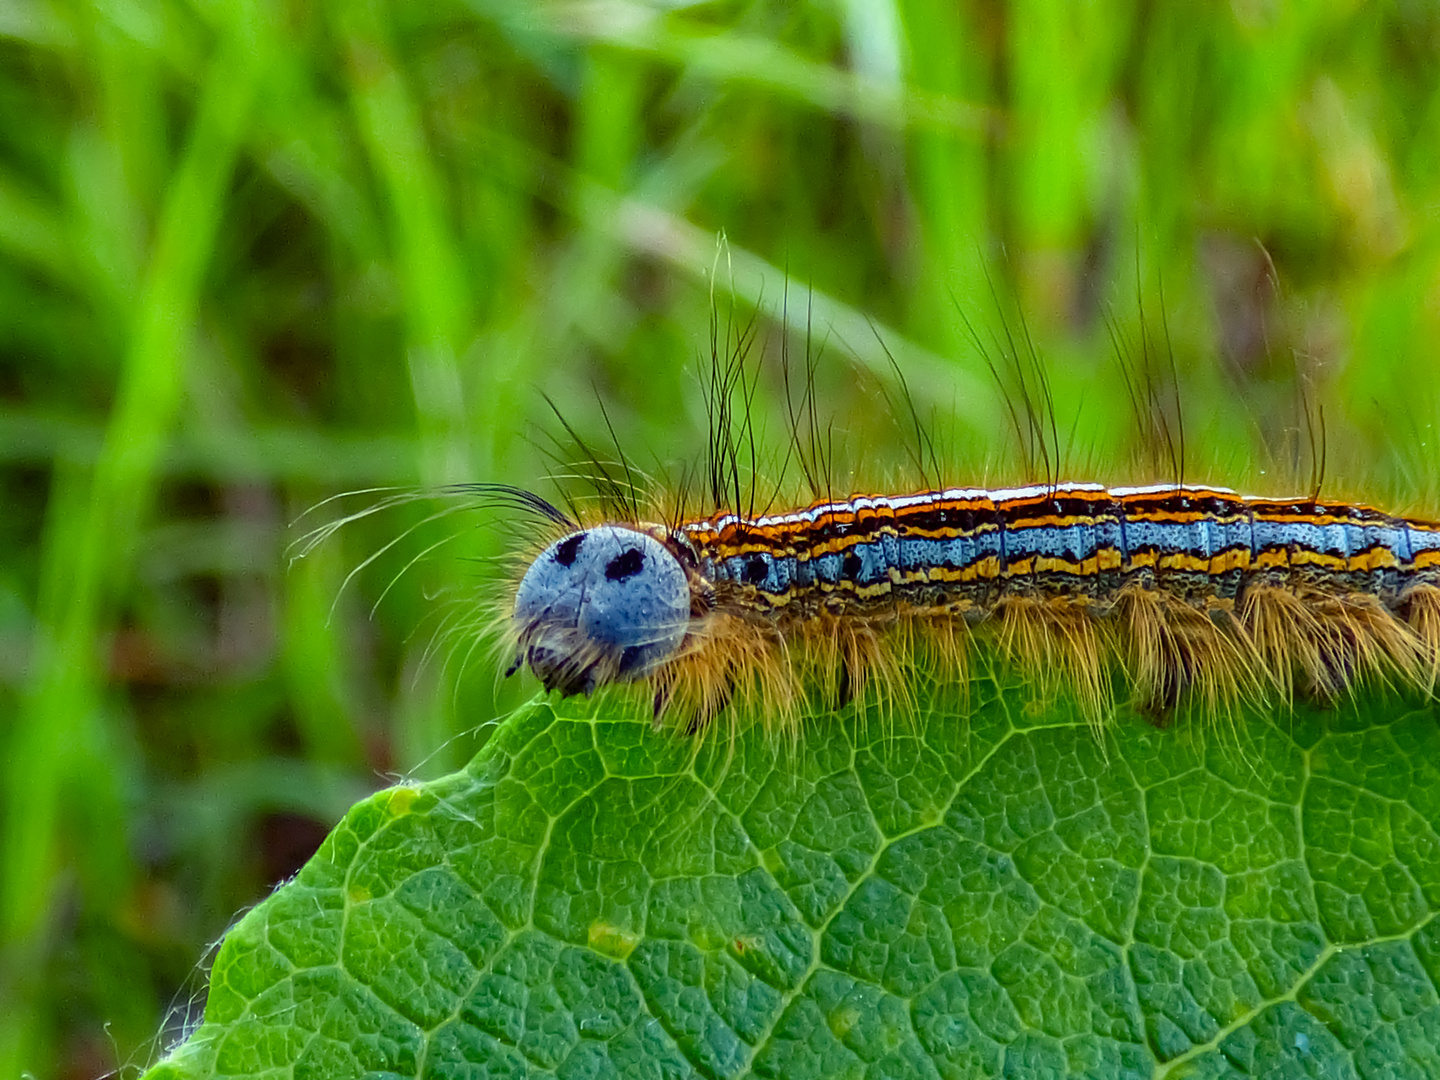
<point>608,604</point>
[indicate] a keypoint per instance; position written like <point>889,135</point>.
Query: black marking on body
<point>625,565</point>
<point>569,549</point>
<point>755,570</point>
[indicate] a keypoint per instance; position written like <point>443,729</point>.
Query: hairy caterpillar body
<point>1165,595</point>
<point>1190,591</point>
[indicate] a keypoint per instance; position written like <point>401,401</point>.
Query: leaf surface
<point>1004,894</point>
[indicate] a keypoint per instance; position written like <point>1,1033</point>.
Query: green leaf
<point>877,897</point>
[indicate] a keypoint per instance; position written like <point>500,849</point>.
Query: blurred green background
<point>256,252</point>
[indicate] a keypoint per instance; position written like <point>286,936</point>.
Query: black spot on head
<point>569,549</point>
<point>625,565</point>
<point>852,566</point>
<point>756,570</point>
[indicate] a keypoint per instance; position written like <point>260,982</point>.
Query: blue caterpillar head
<point>602,605</point>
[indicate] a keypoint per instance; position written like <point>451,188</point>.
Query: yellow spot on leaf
<point>401,800</point>
<point>842,1020</point>
<point>703,935</point>
<point>612,941</point>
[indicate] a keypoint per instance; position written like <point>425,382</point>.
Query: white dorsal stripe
<point>987,496</point>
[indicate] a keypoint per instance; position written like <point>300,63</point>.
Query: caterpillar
<point>1183,593</point>
<point>1189,589</point>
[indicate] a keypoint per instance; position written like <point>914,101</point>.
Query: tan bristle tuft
<point>1423,617</point>
<point>1286,637</point>
<point>946,644</point>
<point>1057,644</point>
<point>1171,650</point>
<point>1366,642</point>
